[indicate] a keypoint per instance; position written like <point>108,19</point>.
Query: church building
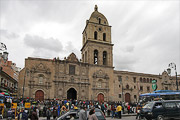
<point>90,78</point>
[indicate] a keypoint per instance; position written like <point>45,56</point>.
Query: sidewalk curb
<point>125,115</point>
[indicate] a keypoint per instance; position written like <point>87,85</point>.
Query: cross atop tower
<point>96,8</point>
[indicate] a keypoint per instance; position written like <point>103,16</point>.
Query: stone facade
<point>91,78</point>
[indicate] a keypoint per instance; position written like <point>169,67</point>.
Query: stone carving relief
<point>40,68</point>
<point>60,92</point>
<point>100,74</point>
<point>83,71</point>
<point>61,68</point>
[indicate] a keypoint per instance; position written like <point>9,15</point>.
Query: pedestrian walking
<point>63,109</point>
<point>55,113</point>
<point>10,114</point>
<point>138,111</point>
<point>22,115</point>
<point>92,115</point>
<point>119,109</point>
<point>113,109</point>
<point>44,111</point>
<point>37,111</point>
<point>82,113</point>
<point>103,108</point>
<point>48,114</point>
<point>34,115</point>
<point>108,110</point>
<point>128,108</point>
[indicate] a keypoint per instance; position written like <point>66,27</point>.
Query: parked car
<point>161,110</point>
<point>99,114</point>
<point>75,114</point>
<point>69,114</point>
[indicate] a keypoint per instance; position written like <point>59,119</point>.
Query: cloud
<point>7,34</point>
<point>125,59</point>
<point>71,48</point>
<point>49,47</point>
<point>38,42</point>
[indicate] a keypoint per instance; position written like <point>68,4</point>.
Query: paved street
<point>123,118</point>
<point>109,118</point>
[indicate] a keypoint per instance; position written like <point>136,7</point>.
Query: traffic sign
<point>27,105</point>
<point>14,105</point>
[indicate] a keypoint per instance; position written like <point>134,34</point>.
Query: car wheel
<point>160,117</point>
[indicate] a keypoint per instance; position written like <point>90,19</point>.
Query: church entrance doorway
<point>127,97</point>
<point>39,95</point>
<point>100,97</point>
<point>72,94</point>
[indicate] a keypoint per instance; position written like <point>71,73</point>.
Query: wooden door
<point>127,98</point>
<point>39,95</point>
<point>100,98</point>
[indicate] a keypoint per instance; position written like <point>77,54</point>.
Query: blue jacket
<point>24,116</point>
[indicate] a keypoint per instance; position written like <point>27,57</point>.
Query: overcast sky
<point>145,33</point>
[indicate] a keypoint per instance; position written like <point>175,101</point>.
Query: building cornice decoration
<point>40,68</point>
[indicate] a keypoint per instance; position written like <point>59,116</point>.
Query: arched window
<point>95,56</point>
<point>140,79</point>
<point>104,36</point>
<point>99,85</point>
<point>95,35</point>
<point>127,86</point>
<point>99,20</point>
<point>40,79</point>
<point>147,80</point>
<point>104,58</point>
<point>144,80</point>
<point>150,80</point>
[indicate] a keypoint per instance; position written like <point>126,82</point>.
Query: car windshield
<point>64,115</point>
<point>149,105</point>
<point>98,113</point>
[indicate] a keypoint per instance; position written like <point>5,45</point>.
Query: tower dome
<point>97,17</point>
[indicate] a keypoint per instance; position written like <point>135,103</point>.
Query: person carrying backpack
<point>34,115</point>
<point>23,115</point>
<point>48,113</point>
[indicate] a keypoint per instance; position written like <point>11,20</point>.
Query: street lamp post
<point>24,83</point>
<point>3,53</point>
<point>173,65</point>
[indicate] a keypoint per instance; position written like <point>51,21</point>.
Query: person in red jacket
<point>128,108</point>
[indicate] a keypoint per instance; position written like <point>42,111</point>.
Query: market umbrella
<point>4,93</point>
<point>1,95</point>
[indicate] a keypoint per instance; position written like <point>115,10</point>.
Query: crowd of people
<point>56,108</point>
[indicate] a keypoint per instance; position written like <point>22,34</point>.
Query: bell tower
<point>97,47</point>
